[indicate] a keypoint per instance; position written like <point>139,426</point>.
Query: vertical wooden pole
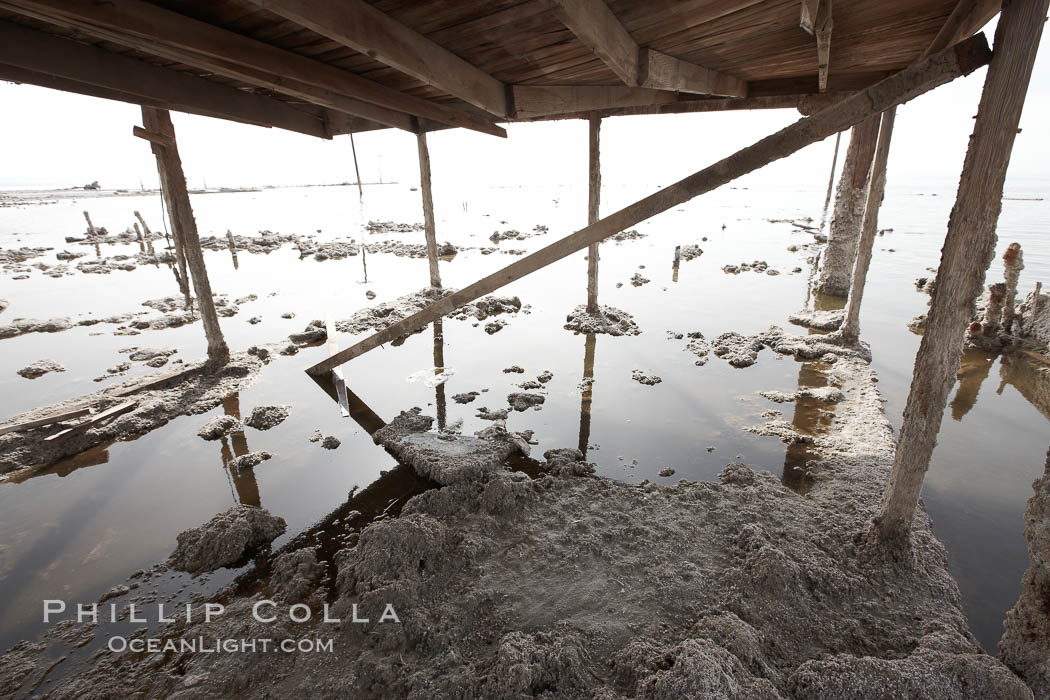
<point>357,172</point>
<point>968,250</point>
<point>147,232</point>
<point>593,203</point>
<point>180,269</point>
<point>173,179</point>
<point>831,181</point>
<point>428,208</point>
<point>848,215</point>
<point>850,329</point>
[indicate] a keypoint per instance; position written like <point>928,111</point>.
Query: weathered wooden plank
<point>548,100</point>
<point>70,60</point>
<point>969,247</point>
<point>595,25</point>
<point>901,87</point>
<point>156,30</point>
<point>660,71</point>
<point>113,412</point>
<point>364,28</point>
<point>714,104</point>
<point>69,414</point>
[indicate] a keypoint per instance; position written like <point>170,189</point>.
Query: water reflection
<point>439,367</point>
<point>973,370</point>
<point>812,417</point>
<point>1029,378</point>
<point>99,454</point>
<point>586,391</point>
<point>242,479</point>
<point>676,263</point>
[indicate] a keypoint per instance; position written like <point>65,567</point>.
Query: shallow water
<point>81,527</point>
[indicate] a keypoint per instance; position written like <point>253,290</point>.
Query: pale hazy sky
<point>56,139</point>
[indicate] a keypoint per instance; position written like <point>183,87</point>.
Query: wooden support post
<point>909,83</point>
<point>831,181</point>
<point>850,329</point>
<point>357,172</point>
<point>968,250</point>
<point>233,247</point>
<point>178,198</point>
<point>91,227</point>
<point>428,208</point>
<point>848,216</point>
<point>138,234</point>
<point>146,231</point>
<point>594,197</point>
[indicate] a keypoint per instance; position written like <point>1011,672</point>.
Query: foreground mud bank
<point>550,582</point>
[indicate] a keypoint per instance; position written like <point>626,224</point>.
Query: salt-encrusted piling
<point>968,250</point>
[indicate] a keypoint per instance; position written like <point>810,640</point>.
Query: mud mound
<point>225,539</point>
<point>605,320</point>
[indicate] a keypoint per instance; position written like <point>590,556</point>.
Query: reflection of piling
<point>811,417</point>
<point>675,264</point>
<point>233,247</point>
<point>243,479</point>
<point>439,367</point>
<point>586,393</point>
<point>973,370</point>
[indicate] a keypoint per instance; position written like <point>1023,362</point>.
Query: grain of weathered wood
<point>364,28</point>
<point>429,225</point>
<point>850,328</point>
<point>901,87</point>
<point>968,250</point>
<point>660,71</point>
<point>595,25</point>
<point>113,412</point>
<point>157,30</point>
<point>532,101</point>
<point>594,198</point>
<point>178,198</point>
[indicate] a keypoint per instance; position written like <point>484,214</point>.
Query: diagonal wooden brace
<point>938,69</point>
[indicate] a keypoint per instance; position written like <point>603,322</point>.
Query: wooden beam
<point>714,104</point>
<point>595,25</point>
<point>816,19</point>
<point>663,72</point>
<point>367,29</point>
<point>594,198</point>
<point>969,247</point>
<point>173,180</point>
<point>967,17</point>
<point>161,32</point>
<point>120,77</point>
<point>429,226</point>
<point>548,100</point>
<point>159,139</point>
<point>898,88</point>
<point>850,328</point>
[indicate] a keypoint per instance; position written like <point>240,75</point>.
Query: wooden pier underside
<point>324,68</point>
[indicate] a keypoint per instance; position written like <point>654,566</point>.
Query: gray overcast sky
<point>55,139</point>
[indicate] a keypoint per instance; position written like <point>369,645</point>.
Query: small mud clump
<point>643,378</point>
<point>468,397</point>
<point>225,539</point>
<point>252,459</point>
<point>513,369</point>
<point>219,427</point>
<point>523,400</point>
<point>331,442</point>
<point>818,320</point>
<point>40,368</point>
<point>738,350</point>
<point>691,251</point>
<point>606,319</point>
<point>266,417</point>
